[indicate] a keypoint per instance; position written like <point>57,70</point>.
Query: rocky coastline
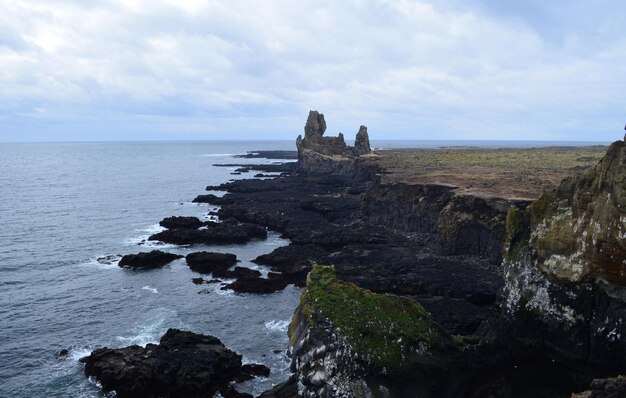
<point>413,289</point>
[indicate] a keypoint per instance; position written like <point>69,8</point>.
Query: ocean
<point>64,205</point>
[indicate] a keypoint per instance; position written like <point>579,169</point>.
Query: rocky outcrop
<point>181,222</point>
<point>228,231</point>
<point>153,259</point>
<point>362,142</point>
<point>183,364</point>
<point>213,200</point>
<point>345,341</point>
<point>329,155</point>
<point>565,266</point>
<point>614,387</point>
<point>206,262</point>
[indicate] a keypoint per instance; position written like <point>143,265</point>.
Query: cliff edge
<point>565,265</point>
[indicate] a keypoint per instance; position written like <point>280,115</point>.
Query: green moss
<point>390,331</point>
<point>516,231</point>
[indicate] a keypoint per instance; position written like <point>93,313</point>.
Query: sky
<point>251,70</point>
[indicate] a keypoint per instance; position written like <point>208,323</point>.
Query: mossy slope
<point>389,332</point>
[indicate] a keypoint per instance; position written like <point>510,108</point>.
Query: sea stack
<point>318,154</point>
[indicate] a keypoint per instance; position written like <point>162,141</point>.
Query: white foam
<point>214,155</point>
<point>150,289</point>
<point>148,334</point>
<point>142,240</point>
<point>78,353</point>
<point>102,262</point>
<point>277,325</point>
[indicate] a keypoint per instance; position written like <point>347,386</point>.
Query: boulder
<point>206,262</point>
<point>153,259</point>
<point>183,364</point>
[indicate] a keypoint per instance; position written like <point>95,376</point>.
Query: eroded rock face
<point>565,265</point>
<point>362,142</point>
<point>345,340</point>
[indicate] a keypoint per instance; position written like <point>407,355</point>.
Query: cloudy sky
<point>193,69</point>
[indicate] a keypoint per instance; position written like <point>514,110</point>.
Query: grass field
<point>512,173</point>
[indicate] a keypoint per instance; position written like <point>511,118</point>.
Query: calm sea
<point>64,205</point>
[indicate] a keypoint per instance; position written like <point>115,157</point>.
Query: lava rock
<point>238,272</point>
<point>229,231</point>
<point>153,259</point>
<point>288,389</point>
<point>206,262</point>
<point>256,369</point>
<point>213,199</point>
<point>183,364</point>
<point>181,222</point>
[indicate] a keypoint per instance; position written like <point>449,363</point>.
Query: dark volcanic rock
<point>362,142</point>
<point>614,387</point>
<point>206,262</point>
<point>183,364</point>
<point>238,272</point>
<point>213,199</point>
<point>153,259</point>
<point>225,232</point>
<point>288,389</point>
<point>275,154</point>
<point>565,270</point>
<point>181,222</point>
<point>256,370</point>
<point>291,258</point>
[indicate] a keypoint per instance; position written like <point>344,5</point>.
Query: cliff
<point>565,266</point>
<point>347,342</point>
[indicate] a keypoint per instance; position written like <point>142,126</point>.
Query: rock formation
<point>319,154</point>
<point>183,364</point>
<point>153,259</point>
<point>565,265</point>
<point>362,142</point>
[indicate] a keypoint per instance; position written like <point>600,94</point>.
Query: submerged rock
<point>153,259</point>
<point>345,340</point>
<point>183,364</point>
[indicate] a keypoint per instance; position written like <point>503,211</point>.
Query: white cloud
<point>408,69</point>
